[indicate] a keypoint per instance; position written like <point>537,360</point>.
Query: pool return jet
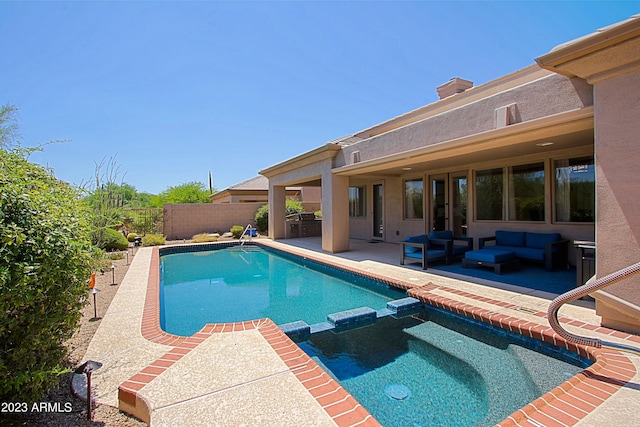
<point>592,285</point>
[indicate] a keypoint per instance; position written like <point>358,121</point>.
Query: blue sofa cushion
<point>415,239</point>
<point>510,238</point>
<point>491,255</point>
<point>431,254</point>
<point>530,253</point>
<point>522,252</point>
<point>540,240</point>
<point>444,235</point>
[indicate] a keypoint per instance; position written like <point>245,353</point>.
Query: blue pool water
<point>440,369</point>
<point>237,284</point>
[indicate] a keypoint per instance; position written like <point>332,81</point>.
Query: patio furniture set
<point>503,251</point>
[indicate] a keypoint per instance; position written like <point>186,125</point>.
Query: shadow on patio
<point>529,279</point>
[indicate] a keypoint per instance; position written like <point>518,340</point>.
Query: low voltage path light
<point>94,292</point>
<point>87,368</point>
<point>113,275</point>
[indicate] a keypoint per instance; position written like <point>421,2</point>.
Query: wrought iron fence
<point>143,220</point>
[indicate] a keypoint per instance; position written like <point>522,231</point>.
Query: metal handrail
<point>244,233</point>
<point>592,285</point>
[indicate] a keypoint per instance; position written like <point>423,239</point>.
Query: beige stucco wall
<point>543,97</point>
<point>183,221</point>
<point>617,115</point>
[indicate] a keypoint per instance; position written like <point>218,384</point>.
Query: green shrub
<point>45,261</point>
<point>131,237</point>
<point>204,237</point>
<point>262,218</point>
<point>236,231</point>
<point>153,240</point>
<point>113,240</point>
<point>318,214</point>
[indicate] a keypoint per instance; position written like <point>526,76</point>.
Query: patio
<point>528,280</point>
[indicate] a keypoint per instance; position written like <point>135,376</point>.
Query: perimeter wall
<point>183,221</point>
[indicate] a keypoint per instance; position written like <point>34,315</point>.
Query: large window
<point>489,192</point>
<point>413,199</point>
<point>575,190</point>
<point>357,202</point>
<point>520,198</point>
<point>526,192</point>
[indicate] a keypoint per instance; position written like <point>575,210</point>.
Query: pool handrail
<point>592,285</point>
<point>244,233</point>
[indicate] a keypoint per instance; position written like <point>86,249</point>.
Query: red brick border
<point>565,405</point>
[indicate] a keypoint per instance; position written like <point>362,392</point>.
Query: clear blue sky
<point>177,89</point>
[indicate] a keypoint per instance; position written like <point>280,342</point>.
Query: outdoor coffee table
<point>496,258</point>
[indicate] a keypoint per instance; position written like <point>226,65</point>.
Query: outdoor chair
<point>425,250</point>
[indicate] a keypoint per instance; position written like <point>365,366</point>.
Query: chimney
<point>453,86</point>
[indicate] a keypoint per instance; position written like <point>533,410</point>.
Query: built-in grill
<point>303,224</point>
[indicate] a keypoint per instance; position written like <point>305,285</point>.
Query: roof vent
<point>355,157</point>
<point>453,86</point>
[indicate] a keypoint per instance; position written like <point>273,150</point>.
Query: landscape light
<point>113,274</point>
<point>87,368</point>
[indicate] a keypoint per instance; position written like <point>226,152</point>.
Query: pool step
<point>404,306</point>
<point>343,320</point>
<point>352,318</point>
<point>297,331</point>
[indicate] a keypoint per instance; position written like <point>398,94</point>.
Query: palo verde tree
<point>45,261</point>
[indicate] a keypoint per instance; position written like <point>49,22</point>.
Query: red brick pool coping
<point>565,405</point>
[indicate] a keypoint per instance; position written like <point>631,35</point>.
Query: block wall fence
<point>183,221</point>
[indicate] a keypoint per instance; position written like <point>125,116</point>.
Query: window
<point>357,202</point>
<point>520,198</point>
<point>413,199</point>
<point>575,190</point>
<point>489,190</point>
<point>526,192</point>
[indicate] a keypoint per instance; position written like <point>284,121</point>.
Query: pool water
<point>440,369</point>
<point>236,284</point>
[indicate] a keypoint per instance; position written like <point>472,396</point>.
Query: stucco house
<point>554,147</point>
<point>256,189</point>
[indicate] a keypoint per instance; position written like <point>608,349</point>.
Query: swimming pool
<point>430,368</point>
<point>437,368</point>
<point>234,284</point>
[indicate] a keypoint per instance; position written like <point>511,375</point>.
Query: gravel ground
<point>72,410</point>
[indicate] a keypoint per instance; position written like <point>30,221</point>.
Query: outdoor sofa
<point>548,248</point>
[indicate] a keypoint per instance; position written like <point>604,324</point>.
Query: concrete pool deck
<point>251,373</point>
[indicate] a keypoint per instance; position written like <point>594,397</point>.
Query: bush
<point>318,214</point>
<point>236,231</point>
<point>262,218</point>
<point>153,240</point>
<point>131,237</point>
<point>262,214</point>
<point>113,240</point>
<point>204,237</point>
<point>45,262</point>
